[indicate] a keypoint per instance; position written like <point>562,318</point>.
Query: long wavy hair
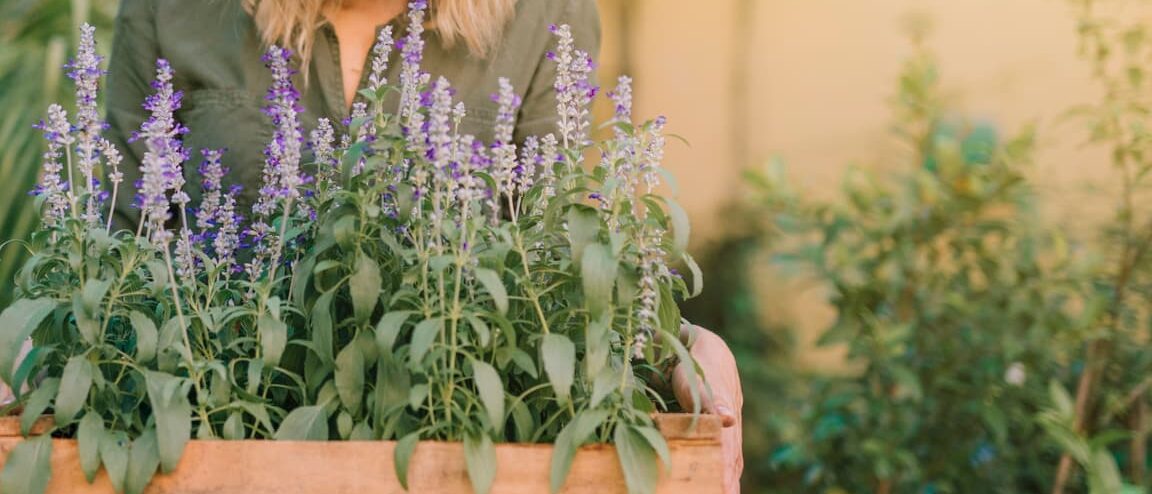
<point>479,24</point>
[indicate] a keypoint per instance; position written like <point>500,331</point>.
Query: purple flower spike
<point>574,90</point>
<point>411,77</point>
<point>380,53</point>
<point>504,150</point>
<point>85,71</point>
<point>51,186</point>
<point>161,165</point>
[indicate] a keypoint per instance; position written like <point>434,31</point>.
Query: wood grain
<point>273,467</point>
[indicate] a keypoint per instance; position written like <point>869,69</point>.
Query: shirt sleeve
<point>538,114</point>
<point>131,70</point>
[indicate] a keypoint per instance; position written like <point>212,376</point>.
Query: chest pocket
<point>232,120</point>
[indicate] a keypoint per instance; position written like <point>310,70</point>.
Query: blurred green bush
<point>35,36</point>
<point>991,351</point>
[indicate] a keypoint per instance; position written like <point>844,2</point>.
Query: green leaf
<point>637,459</point>
<point>234,426</point>
<point>143,460</point>
<point>36,356</point>
<point>657,443</point>
<point>388,330</point>
<point>88,438</point>
<point>491,392</point>
<point>480,456</point>
<point>273,339</point>
<point>28,467</point>
<point>569,441</point>
<point>18,322</point>
<point>350,377</point>
<point>38,401</point>
<point>147,336</point>
<point>322,327</point>
<point>681,227</point>
<point>422,338</point>
<point>1060,398</point>
<point>559,356</point>
<point>403,456</point>
<point>583,228</point>
<point>308,423</point>
<point>75,382</point>
<point>173,414</point>
<point>697,276</point>
<point>495,287</point>
<point>365,286</point>
<point>598,271</point>
<point>114,450</point>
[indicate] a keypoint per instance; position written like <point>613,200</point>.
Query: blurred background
<point>920,221</point>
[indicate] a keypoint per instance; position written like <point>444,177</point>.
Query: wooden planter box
<point>275,467</point>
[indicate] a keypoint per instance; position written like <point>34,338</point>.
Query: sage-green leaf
<point>583,228</point>
<point>637,459</point>
<point>491,392</point>
<point>234,426</point>
<point>559,357</point>
<point>37,402</point>
<point>403,456</point>
<point>322,327</point>
<point>603,385</point>
<point>569,441</point>
<point>147,336</point>
<point>350,377</point>
<point>495,287</point>
<point>308,423</point>
<point>365,286</point>
<point>75,382</point>
<point>422,338</point>
<point>480,456</point>
<point>92,294</point>
<point>31,362</point>
<point>173,415</point>
<point>28,467</point>
<point>681,227</point>
<point>273,339</point>
<point>697,276</point>
<point>88,437</point>
<point>114,451</point>
<point>18,322</point>
<point>388,329</point>
<point>143,460</point>
<point>598,273</point>
<point>657,443</point>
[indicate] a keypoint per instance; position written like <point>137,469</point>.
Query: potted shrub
<point>404,285</point>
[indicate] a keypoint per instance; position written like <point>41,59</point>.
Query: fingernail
<point>725,412</point>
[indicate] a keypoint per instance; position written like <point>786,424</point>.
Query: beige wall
<point>820,74</point>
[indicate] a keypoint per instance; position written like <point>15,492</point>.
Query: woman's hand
<point>725,400</point>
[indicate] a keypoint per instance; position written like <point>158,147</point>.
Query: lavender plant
<point>409,283</point>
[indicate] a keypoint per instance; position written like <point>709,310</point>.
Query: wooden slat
<point>10,426</point>
<point>270,467</point>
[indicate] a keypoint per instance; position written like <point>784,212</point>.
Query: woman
<point>215,47</point>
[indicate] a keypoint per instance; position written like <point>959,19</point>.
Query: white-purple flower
<point>380,53</point>
<point>503,149</point>
<point>52,187</point>
<point>85,71</point>
<point>323,138</point>
<point>161,166</point>
<point>653,153</point>
<point>412,78</point>
<point>574,89</point>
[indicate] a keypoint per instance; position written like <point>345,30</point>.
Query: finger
<point>733,459</point>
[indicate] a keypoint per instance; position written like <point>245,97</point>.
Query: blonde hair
<point>292,23</point>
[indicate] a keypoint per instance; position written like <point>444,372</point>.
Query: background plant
<point>36,37</point>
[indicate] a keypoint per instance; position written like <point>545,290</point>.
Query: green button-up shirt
<point>215,50</point>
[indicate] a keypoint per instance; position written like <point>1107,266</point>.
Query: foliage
<point>951,298</point>
<point>33,46</point>
<point>407,284</point>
